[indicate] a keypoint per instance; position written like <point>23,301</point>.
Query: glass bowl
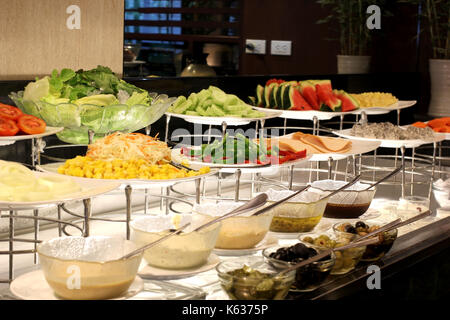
<point>95,260</point>
<point>239,232</point>
<point>375,251</point>
<point>188,249</point>
<point>299,214</point>
<point>309,277</point>
<point>348,204</point>
<point>77,120</point>
<point>346,260</point>
<point>441,191</point>
<point>251,278</point>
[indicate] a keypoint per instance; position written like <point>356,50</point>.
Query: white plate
<point>150,272</point>
<point>53,168</point>
<point>402,104</point>
<point>245,167</point>
<point>88,190</point>
<point>358,147</point>
<point>306,115</point>
<point>33,286</point>
<point>11,139</point>
<point>385,143</point>
<point>230,121</point>
<point>324,115</point>
<point>268,241</point>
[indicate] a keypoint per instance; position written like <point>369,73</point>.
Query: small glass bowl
<point>375,251</point>
<point>346,260</point>
<point>309,277</point>
<point>247,285</point>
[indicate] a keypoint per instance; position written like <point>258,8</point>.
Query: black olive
<point>350,229</point>
<point>361,224</point>
<point>301,250</point>
<point>311,252</point>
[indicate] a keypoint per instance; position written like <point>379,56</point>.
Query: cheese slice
<point>324,144</point>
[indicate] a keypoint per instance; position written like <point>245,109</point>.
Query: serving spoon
<point>256,202</point>
<point>395,225</point>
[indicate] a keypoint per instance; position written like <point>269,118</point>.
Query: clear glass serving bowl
<point>239,232</point>
<point>347,204</point>
<point>300,214</point>
<point>188,249</point>
<point>78,120</point>
<point>251,278</point>
<point>95,260</point>
<point>346,260</point>
<point>309,277</point>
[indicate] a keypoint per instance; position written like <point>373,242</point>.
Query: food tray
<point>385,143</point>
<point>230,121</point>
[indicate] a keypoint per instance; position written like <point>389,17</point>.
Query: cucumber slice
<point>219,97</point>
<point>201,111</point>
<point>183,107</point>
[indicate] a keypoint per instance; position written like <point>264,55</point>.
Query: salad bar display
<point>293,236</point>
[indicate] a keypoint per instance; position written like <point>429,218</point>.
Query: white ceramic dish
<point>385,143</point>
<point>11,139</point>
<point>148,272</point>
<point>88,190</point>
<point>230,121</point>
<point>33,286</point>
<point>383,110</point>
<point>53,168</point>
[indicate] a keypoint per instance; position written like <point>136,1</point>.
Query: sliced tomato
<point>8,127</point>
<point>30,124</point>
<point>9,112</point>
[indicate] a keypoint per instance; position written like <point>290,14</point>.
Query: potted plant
<point>354,35</point>
<point>437,15</point>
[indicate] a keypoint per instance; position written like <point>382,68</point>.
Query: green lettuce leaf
<point>138,98</point>
<point>98,100</point>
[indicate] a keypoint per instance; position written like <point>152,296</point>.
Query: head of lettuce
<point>84,100</point>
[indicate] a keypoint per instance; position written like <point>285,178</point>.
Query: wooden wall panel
<point>34,38</point>
<point>293,20</point>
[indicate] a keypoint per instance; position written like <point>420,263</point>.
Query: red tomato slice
<point>31,124</point>
<point>9,112</point>
<point>8,127</point>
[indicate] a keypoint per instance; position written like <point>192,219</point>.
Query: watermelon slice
<point>326,96</point>
<point>297,101</point>
<point>273,97</point>
<point>308,92</point>
<point>266,94</point>
<point>259,95</point>
<point>348,102</point>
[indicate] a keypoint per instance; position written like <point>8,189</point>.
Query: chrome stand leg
<point>167,200</point>
<point>224,129</point>
<point>145,201</point>
<point>402,150</point>
<point>197,190</point>
<point>166,137</point>
<point>412,170</point>
<point>291,177</point>
<point>219,184</point>
<point>59,223</point>
<point>148,129</point>
<point>433,166</point>
<point>87,215</point>
<point>36,231</point>
<point>374,174</point>
<point>128,191</point>
<point>330,167</point>
<point>238,181</point>
<point>11,245</point>
<point>284,126</point>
